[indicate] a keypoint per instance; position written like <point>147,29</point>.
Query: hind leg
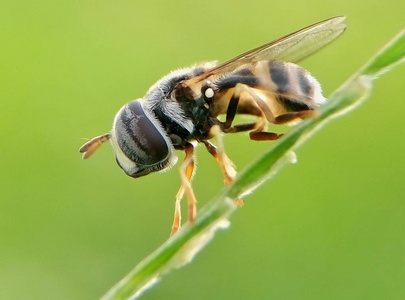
<point>258,134</point>
<point>292,116</point>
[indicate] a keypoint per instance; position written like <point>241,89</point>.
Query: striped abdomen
<point>293,82</point>
<point>284,86</point>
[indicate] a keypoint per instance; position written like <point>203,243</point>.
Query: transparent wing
<point>291,48</point>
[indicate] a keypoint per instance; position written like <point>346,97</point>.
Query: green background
<point>329,227</point>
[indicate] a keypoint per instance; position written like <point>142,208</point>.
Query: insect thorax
<point>179,110</point>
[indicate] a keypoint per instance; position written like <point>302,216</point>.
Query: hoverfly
<point>182,108</point>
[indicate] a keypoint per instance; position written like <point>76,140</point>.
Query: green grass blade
<point>393,53</point>
<point>181,248</point>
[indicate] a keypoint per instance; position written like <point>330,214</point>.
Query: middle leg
<point>218,153</point>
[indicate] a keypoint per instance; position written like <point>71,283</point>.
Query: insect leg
<point>226,165</point>
<point>177,211</point>
<point>186,173</point>
<point>291,116</point>
<point>259,134</point>
<point>231,112</point>
<point>91,146</point>
<point>264,136</point>
<point>224,162</point>
<point>240,90</point>
<point>257,99</point>
<point>242,127</point>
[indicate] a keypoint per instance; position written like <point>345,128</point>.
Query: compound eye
<point>139,137</point>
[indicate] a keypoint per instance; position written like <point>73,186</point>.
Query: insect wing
<point>301,44</point>
<point>291,48</point>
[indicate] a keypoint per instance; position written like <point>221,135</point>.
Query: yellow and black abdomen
<point>293,86</point>
<point>285,87</point>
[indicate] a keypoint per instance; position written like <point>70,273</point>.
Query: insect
<point>182,109</point>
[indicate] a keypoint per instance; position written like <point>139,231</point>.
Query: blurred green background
<point>329,227</point>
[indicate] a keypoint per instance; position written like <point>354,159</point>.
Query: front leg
<point>186,174</point>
